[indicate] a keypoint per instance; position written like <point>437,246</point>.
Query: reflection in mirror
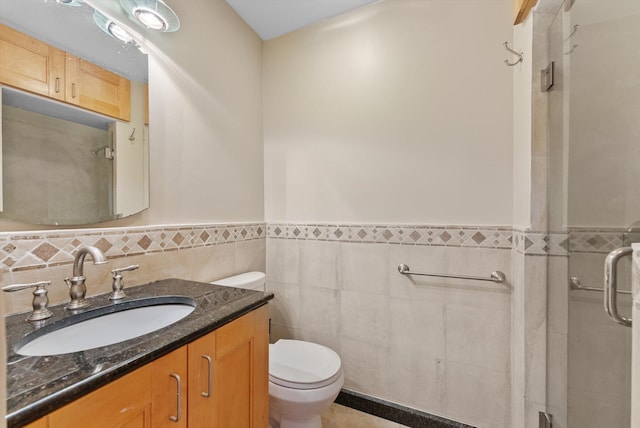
<point>64,164</point>
<point>56,170</point>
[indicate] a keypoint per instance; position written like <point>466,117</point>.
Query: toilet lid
<point>302,365</point>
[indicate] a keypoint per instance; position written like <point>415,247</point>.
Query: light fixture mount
<point>111,28</point>
<point>153,14</point>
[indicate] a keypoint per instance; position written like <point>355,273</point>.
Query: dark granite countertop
<point>37,386</point>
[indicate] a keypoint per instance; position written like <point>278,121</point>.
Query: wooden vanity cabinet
<point>218,381</point>
<point>94,88</point>
<point>34,66</point>
<point>229,375</point>
<point>126,402</point>
<point>29,64</point>
<point>169,390</point>
<point>40,423</point>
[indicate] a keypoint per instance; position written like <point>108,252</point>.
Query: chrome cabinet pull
<point>57,85</point>
<point>209,376</point>
<point>178,415</point>
<point>73,90</point>
<point>611,284</point>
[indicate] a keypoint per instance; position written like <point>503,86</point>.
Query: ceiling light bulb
<point>153,14</point>
<point>150,18</point>
<point>117,32</point>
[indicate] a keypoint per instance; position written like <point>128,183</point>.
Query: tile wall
<point>436,344</point>
<point>440,345</point>
<point>201,252</point>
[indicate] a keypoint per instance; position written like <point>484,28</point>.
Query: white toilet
<point>304,377</point>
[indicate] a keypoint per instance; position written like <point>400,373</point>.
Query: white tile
<point>478,336</point>
<point>477,396</point>
<point>365,367</point>
<point>364,317</point>
<point>319,309</point>
<point>416,380</point>
<point>599,352</point>
<point>284,309</point>
<point>319,264</point>
<point>592,410</point>
<point>417,327</point>
<point>251,255</point>
<point>365,268</point>
<point>283,260</point>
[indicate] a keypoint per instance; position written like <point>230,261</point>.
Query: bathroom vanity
<point>209,369</point>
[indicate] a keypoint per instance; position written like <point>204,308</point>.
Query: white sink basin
<point>106,329</point>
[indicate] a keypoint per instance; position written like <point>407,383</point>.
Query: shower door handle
<point>611,284</point>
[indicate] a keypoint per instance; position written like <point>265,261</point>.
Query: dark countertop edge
<point>58,399</point>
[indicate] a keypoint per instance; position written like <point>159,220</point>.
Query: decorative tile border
<point>34,250</point>
<point>524,241</point>
<point>596,241</point>
<point>37,250</point>
<point>448,236</point>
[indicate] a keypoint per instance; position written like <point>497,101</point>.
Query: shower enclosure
<point>593,179</point>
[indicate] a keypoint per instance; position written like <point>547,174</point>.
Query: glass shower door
<point>594,198</point>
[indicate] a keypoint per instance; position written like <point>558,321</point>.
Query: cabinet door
<point>169,390</point>
<point>124,403</point>
<point>40,423</point>
<point>97,89</point>
<point>241,374</point>
<point>201,367</point>
<point>31,65</point>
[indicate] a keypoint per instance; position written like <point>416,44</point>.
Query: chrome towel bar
<point>574,284</point>
<point>496,276</point>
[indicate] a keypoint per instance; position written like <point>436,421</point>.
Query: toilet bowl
<point>304,377</point>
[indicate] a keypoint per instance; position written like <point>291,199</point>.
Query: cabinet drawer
<point>121,403</point>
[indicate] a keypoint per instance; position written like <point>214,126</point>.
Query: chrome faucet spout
<point>78,263</point>
<point>77,287</point>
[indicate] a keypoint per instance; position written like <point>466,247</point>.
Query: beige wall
<point>602,145</point>
<point>205,142</point>
<point>522,110</point>
<point>206,118</point>
<point>397,112</point>
<point>206,155</point>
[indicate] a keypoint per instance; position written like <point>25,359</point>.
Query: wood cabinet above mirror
<point>34,66</point>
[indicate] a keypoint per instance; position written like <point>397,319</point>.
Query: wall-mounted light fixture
<point>153,14</point>
<point>111,28</point>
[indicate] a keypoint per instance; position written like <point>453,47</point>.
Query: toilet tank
<point>247,280</point>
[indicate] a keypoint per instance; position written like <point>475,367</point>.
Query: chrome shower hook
<point>519,54</point>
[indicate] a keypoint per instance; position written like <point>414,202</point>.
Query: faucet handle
<point>117,271</point>
<point>40,298</point>
<point>118,282</point>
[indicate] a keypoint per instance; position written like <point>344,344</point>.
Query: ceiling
<point>273,18</point>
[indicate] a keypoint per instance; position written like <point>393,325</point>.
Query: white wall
<point>397,112</point>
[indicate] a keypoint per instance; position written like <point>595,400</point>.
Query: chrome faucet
<point>77,287</point>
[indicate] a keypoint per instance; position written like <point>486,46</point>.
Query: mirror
<point>64,165</point>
